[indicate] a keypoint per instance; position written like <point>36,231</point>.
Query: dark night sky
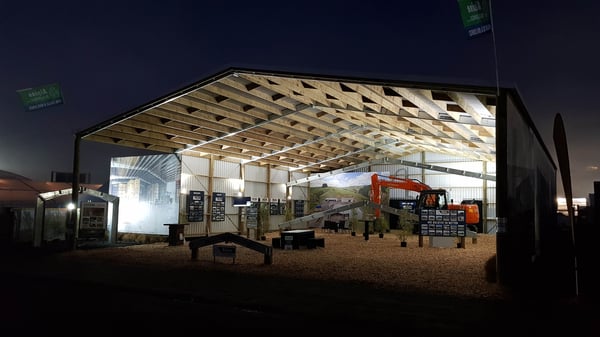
<point>112,56</point>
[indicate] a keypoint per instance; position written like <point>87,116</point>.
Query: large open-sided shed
<point>319,124</point>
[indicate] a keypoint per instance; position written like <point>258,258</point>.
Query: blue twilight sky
<point>112,56</point>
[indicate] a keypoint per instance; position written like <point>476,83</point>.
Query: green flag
<point>476,16</point>
<point>41,97</point>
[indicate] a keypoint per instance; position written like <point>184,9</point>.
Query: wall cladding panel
<point>381,169</point>
<point>452,180</point>
<point>299,175</point>
<point>255,173</point>
<point>195,229</point>
<point>300,193</point>
<point>432,157</point>
<point>279,176</point>
<point>226,169</point>
<point>278,191</point>
<point>397,193</point>
<point>229,225</point>
<point>458,194</point>
<point>416,157</point>
<point>193,182</point>
<point>230,187</point>
<point>255,189</point>
<point>194,165</point>
<point>469,166</point>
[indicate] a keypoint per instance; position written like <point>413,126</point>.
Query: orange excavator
<point>428,198</point>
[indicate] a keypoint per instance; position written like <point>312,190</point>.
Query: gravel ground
<point>351,286</point>
<point>379,262</point>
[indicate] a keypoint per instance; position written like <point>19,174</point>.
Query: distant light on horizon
<point>562,202</point>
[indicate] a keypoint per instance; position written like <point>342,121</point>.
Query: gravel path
<point>379,262</point>
<point>351,286</point>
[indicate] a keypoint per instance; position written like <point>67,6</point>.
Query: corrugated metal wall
<point>300,191</point>
<point>256,189</point>
<point>194,177</point>
<point>279,176</point>
<point>194,165</point>
<point>278,191</point>
<point>225,169</point>
<point>228,180</point>
<point>255,173</point>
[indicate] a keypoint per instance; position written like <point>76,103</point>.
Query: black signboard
<point>442,222</point>
<point>252,215</point>
<point>195,206</point>
<point>218,206</point>
<point>274,207</point>
<point>298,208</point>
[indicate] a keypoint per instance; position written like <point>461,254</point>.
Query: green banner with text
<point>41,97</point>
<point>476,16</point>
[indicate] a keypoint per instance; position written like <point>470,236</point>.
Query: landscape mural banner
<point>341,189</point>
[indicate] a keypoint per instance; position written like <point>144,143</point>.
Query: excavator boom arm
<point>378,181</point>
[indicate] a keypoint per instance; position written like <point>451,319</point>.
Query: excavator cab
<point>438,199</point>
<point>433,199</point>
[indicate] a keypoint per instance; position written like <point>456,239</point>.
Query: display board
<point>442,222</point>
<point>252,215</point>
<point>298,208</point>
<point>274,207</point>
<point>92,222</point>
<point>195,206</point>
<point>218,206</point>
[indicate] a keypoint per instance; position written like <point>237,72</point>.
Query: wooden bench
<point>230,237</point>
